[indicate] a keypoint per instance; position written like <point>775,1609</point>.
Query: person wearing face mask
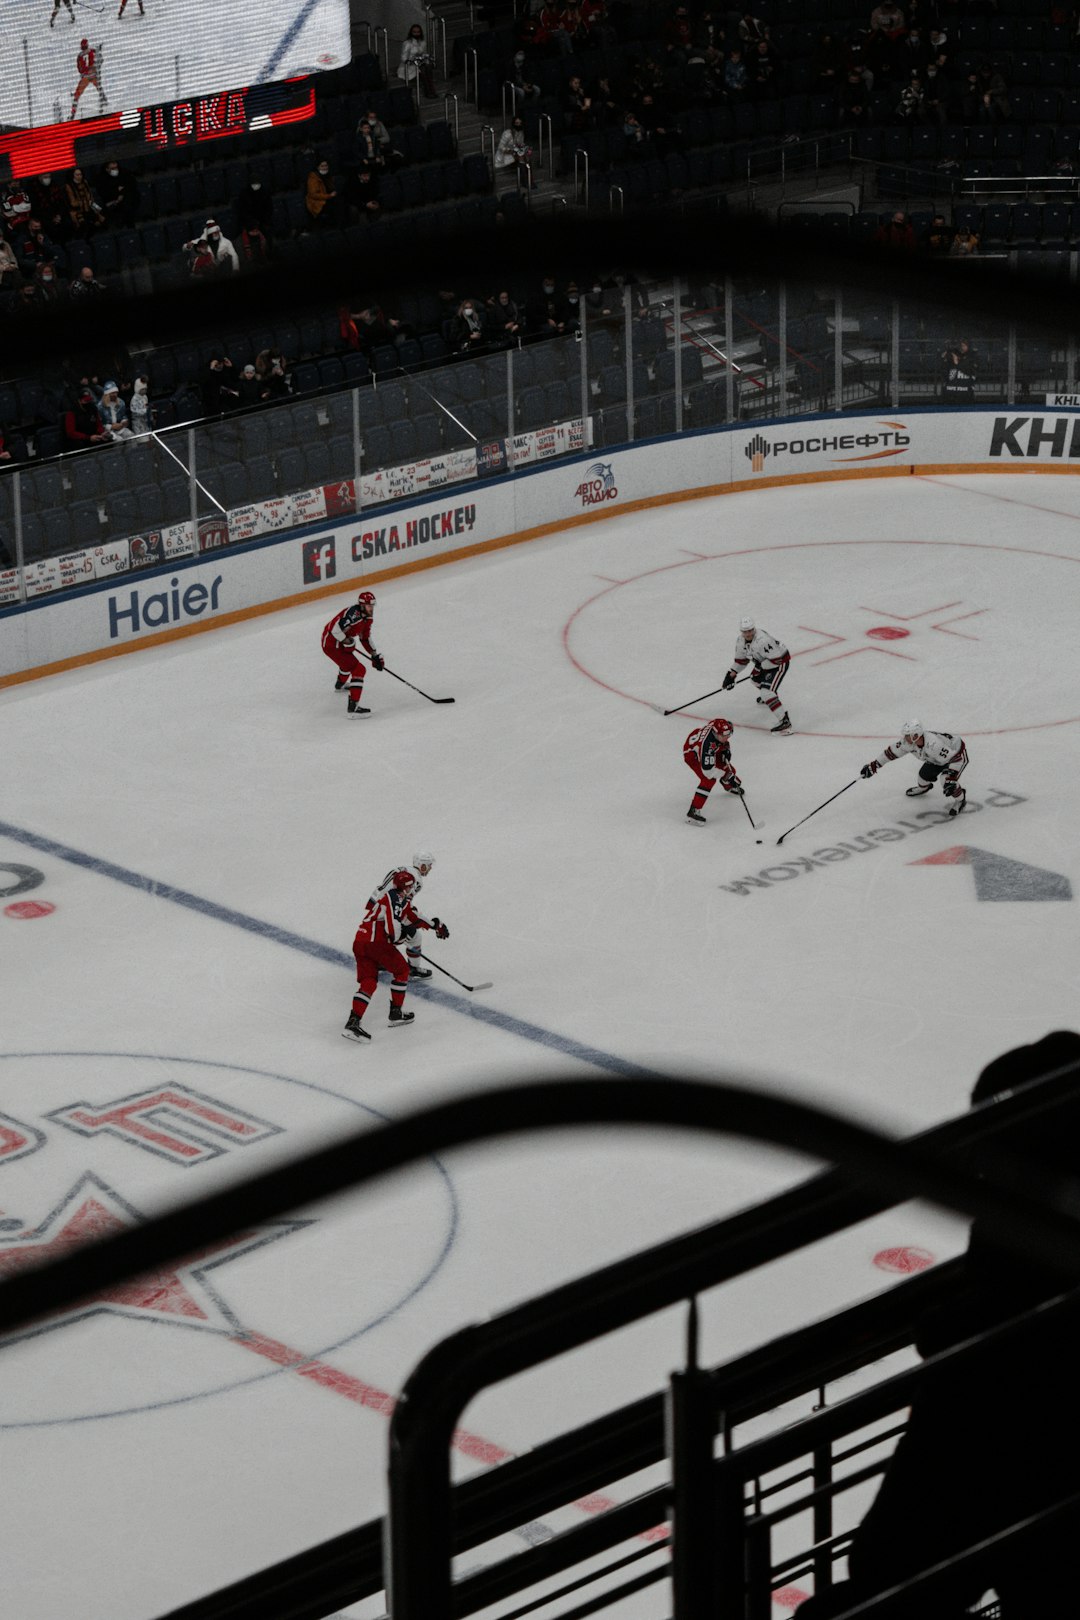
<point>118,194</point>
<point>549,312</point>
<point>468,329</point>
<point>320,196</point>
<point>226,260</point>
<point>416,61</point>
<point>49,289</point>
<point>113,413</point>
<point>253,209</point>
<point>514,152</point>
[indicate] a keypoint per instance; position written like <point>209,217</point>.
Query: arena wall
<point>133,607</point>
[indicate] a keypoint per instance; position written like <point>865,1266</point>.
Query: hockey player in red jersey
<point>708,755</point>
<point>391,919</point>
<point>422,862</point>
<point>89,74</point>
<point>346,630</point>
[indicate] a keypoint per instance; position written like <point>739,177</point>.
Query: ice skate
<point>355,707</point>
<point>399,1017</point>
<point>783,726</point>
<point>695,816</point>
<point>355,1031</point>
<point>959,801</point>
<point>919,789</point>
<point>417,970</point>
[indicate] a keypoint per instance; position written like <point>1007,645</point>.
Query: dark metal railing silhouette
<point>877,1172</point>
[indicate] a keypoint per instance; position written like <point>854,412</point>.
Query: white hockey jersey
<point>387,887</point>
<point>939,748</point>
<point>765,651</point>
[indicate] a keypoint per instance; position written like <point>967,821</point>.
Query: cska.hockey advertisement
<point>79,67</point>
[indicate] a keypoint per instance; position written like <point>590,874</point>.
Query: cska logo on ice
<point>597,485</point>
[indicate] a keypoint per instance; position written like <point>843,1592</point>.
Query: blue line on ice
<point>324,953</point>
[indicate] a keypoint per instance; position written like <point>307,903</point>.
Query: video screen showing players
<point>74,60</point>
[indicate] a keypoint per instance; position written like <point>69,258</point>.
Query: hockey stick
<point>757,825</point>
<point>89,5</point>
<point>690,701</point>
<point>844,789</point>
<point>487,985</point>
<point>427,695</point>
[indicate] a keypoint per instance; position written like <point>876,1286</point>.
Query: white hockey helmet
<point>912,728</point>
<point>423,861</point>
<point>747,624</point>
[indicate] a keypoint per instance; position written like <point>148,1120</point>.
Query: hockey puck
<point>760,840</point>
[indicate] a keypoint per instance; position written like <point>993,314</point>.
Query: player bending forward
<point>942,755</point>
<point>770,659</point>
<point>421,866</point>
<point>348,629</point>
<point>707,753</point>
<point>390,920</point>
<point>89,74</point>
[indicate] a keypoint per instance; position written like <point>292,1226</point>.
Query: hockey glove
<point>729,681</point>
<point>733,785</point>
<point>869,770</point>
<point>950,789</point>
<point>378,661</point>
<point>441,930</point>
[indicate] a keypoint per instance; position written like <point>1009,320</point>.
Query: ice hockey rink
<point>187,837</point>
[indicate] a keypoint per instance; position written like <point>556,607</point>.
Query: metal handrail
<point>473,58</point>
<point>386,49</point>
<point>545,118</point>
<point>618,191</point>
<point>436,29</point>
<point>366,26</point>
<point>485,131</point>
<point>447,99</point>
<point>581,191</point>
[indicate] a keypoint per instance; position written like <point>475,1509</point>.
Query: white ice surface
<point>554,800</point>
<point>179,48</point>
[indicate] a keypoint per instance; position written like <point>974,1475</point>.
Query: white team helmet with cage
<point>747,624</point>
<point>912,728</point>
<point>423,860</point>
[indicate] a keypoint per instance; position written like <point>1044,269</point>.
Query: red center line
<point>378,1400</point>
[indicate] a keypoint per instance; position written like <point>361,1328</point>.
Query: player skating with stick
<point>56,7</point>
<point>88,63</point>
<point>942,754</point>
<point>123,8</point>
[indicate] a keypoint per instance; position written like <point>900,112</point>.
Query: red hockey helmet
<point>366,599</point>
<point>84,44</point>
<point>404,882</point>
<point>722,727</point>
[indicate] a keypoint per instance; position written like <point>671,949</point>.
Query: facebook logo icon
<point>319,561</point>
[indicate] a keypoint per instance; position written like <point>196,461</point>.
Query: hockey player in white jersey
<point>770,659</point>
<point>422,863</point>
<point>942,754</point>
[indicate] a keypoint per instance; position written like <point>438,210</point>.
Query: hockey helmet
<point>367,600</point>
<point>912,728</point>
<point>404,882</point>
<point>722,727</point>
<point>423,861</point>
<point>84,44</point>
<point>747,624</point>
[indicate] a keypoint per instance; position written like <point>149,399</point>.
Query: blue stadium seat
<point>87,528</point>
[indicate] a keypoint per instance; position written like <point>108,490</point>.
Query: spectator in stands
<point>113,413</point>
<point>679,28</point>
<point>391,156</point>
<point>49,290</point>
<point>33,247</point>
<point>550,30</point>
<point>84,211</point>
<point>200,260</point>
<point>522,88</point>
<point>5,453</point>
<point>139,408</point>
<point>272,372</point>
<point>118,194</point>
<point>958,1478</point>
<point>936,101</point>
<point>514,152</point>
<point>994,106</point>
<point>375,329</point>
<point>253,249</point>
<point>548,311</point>
<point>82,424</point>
<point>606,106</point>
<point>735,73</point>
<point>887,18</point>
<point>577,106</point>
<point>226,260</point>
<point>253,211</point>
<point>50,206</point>
<point>761,69</point>
<point>961,370</point>
<point>15,206</point>
<point>10,276</point>
<point>911,108</point>
<point>938,237</point>
<point>828,63</point>
<point>468,330</point>
<point>633,134</point>
<point>504,318</point>
<point>752,29</point>
<point>368,151</point>
<point>219,388</point>
<point>656,123</point>
<point>362,193</point>
<point>320,196</point>
<point>939,41</point>
<point>249,388</point>
<point>898,235</point>
<point>855,60</point>
<point>965,242</point>
<point>416,65</point>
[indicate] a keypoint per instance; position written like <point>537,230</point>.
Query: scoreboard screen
<point>70,69</point>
